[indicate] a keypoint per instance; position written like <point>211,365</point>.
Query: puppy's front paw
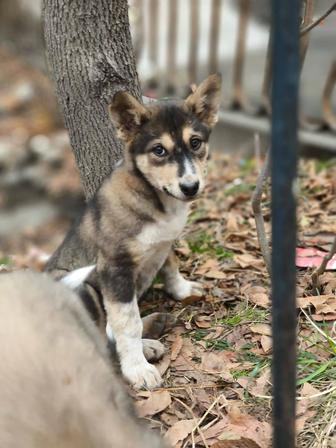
<point>153,350</point>
<point>181,289</point>
<point>142,375</point>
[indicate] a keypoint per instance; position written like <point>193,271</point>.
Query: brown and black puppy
<point>57,386</point>
<point>130,225</point>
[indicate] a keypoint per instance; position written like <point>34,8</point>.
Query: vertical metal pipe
<point>239,58</point>
<point>285,69</point>
<point>153,37</point>
<point>214,35</point>
<point>328,114</point>
<point>172,40</point>
<point>139,34</point>
<point>194,40</point>
<point>266,85</point>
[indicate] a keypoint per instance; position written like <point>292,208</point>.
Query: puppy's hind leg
<point>175,284</point>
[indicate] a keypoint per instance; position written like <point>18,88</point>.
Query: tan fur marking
<point>161,175</point>
<point>187,133</point>
<point>87,228</point>
<point>167,141</point>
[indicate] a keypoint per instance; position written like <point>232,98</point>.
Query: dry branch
<point>256,207</point>
<point>318,21</point>
<point>321,269</point>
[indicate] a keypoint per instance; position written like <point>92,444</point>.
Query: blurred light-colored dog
<point>57,385</point>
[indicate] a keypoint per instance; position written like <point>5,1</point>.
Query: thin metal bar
<point>307,19</point>
<point>214,35</point>
<point>153,37</point>
<point>194,40</point>
<point>306,122</point>
<point>238,99</point>
<point>284,145</point>
<point>241,120</point>
<point>319,20</point>
<point>328,113</point>
<point>172,38</point>
<point>267,81</point>
<point>266,85</point>
<point>138,42</point>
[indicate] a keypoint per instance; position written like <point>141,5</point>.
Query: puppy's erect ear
<point>205,99</point>
<point>127,114</point>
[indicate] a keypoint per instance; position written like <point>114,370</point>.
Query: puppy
<point>128,228</point>
<point>57,386</point>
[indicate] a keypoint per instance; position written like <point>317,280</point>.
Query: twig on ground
<point>309,397</point>
<point>210,408</point>
<point>318,329</point>
<point>329,431</point>
<point>256,207</point>
<point>321,269</point>
<point>257,150</point>
<point>200,432</point>
<point>194,386</point>
<point>317,21</point>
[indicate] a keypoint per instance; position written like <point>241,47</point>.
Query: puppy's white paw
<point>152,349</point>
<point>182,288</point>
<point>141,375</point>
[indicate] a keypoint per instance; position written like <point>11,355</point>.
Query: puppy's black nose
<point>189,189</point>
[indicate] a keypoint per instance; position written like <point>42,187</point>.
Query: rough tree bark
<point>90,57</point>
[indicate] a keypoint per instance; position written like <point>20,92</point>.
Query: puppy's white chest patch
<point>165,229</point>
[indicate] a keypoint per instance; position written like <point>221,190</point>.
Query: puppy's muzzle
<point>189,189</point>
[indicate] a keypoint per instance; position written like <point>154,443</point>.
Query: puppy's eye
<point>195,143</point>
<point>159,151</point>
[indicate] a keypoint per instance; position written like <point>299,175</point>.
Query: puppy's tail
<point>75,278</point>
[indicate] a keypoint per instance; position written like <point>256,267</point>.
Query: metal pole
<point>285,69</point>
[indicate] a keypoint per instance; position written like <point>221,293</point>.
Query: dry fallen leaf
<point>203,321</point>
<point>176,347</point>
<point>213,273</point>
<point>248,426</point>
<point>241,443</point>
<point>211,263</point>
<point>213,363</point>
<point>261,299</point>
<point>303,414</point>
<point>266,343</point>
<point>324,317</point>
<point>218,364</point>
<point>232,222</point>
<point>157,402</point>
<point>248,260</point>
<point>236,425</point>
<point>261,384</point>
<point>163,364</point>
<point>264,329</point>
<point>308,390</point>
<point>179,431</point>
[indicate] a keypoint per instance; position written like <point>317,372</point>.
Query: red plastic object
<point>309,257</point>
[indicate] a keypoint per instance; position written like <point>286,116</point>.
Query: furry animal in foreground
<point>57,385</point>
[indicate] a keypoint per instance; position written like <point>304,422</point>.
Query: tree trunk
<point>90,57</point>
